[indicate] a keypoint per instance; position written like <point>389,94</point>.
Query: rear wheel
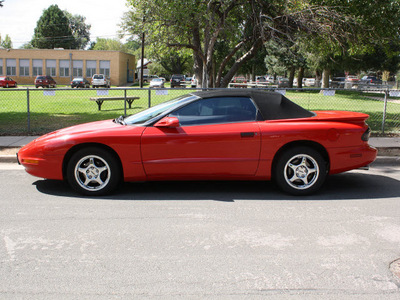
<point>300,171</point>
<point>93,171</point>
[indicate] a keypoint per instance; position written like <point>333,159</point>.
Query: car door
<point>217,137</point>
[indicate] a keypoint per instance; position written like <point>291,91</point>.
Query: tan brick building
<point>23,65</point>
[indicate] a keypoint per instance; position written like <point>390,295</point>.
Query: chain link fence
<point>38,111</point>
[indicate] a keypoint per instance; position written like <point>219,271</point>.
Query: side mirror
<point>168,122</point>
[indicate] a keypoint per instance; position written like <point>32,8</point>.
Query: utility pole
<point>142,63</point>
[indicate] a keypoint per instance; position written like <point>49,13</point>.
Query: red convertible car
<point>213,135</point>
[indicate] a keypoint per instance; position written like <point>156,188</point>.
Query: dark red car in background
<point>7,82</point>
<point>45,81</point>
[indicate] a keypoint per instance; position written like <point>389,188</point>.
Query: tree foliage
<point>109,44</point>
<point>6,42</point>
<point>60,29</point>
<point>80,30</point>
<point>52,30</point>
<point>225,35</point>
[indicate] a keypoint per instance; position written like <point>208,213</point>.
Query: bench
<point>100,100</point>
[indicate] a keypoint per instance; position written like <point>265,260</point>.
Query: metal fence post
<point>124,102</point>
<point>149,97</point>
<point>28,109</point>
<point>384,111</point>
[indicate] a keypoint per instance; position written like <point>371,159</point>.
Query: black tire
<point>93,171</point>
<point>300,171</point>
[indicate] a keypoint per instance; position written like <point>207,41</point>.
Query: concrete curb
<point>8,159</point>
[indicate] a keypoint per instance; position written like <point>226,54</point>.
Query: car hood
<point>89,131</point>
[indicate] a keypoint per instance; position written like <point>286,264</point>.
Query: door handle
<point>247,134</point>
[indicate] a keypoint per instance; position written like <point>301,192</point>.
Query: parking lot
<point>201,239</point>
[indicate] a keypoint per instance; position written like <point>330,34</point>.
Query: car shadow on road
<point>346,186</point>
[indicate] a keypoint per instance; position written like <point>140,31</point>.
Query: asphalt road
<point>197,240</point>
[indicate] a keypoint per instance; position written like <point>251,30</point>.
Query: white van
<point>100,80</point>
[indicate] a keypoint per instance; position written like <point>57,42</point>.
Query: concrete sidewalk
<point>388,147</point>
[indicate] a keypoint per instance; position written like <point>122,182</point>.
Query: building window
<point>1,66</point>
<point>77,68</point>
<point>90,68</point>
<point>51,66</point>
<point>37,67</point>
<point>24,67</point>
<point>64,68</point>
<point>11,64</point>
<point>105,67</point>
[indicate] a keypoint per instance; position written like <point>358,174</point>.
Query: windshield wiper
<point>120,120</point>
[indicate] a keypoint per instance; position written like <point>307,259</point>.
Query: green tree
<point>109,44</point>
<point>370,27</point>
<point>80,30</point>
<point>241,24</point>
<point>6,42</point>
<point>197,26</point>
<point>53,30</point>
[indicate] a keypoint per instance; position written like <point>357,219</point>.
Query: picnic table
<point>100,100</point>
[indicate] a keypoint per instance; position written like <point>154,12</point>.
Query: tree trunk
<point>291,76</point>
<point>325,78</point>
<point>239,62</point>
<point>300,76</point>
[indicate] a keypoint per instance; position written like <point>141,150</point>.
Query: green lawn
<point>72,106</point>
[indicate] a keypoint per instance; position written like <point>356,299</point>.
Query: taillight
<point>366,135</point>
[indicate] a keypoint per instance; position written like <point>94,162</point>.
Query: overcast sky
<point>18,18</point>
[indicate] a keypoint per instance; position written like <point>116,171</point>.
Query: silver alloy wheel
<point>301,171</point>
<point>92,173</point>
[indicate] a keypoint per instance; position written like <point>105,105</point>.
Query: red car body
<point>248,150</point>
<point>45,81</point>
<point>7,82</point>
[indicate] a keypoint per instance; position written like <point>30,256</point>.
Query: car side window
<point>216,111</point>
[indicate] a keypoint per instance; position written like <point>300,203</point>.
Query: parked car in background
<point>283,82</point>
<point>156,83</point>
<point>261,80</point>
<point>100,80</point>
<point>337,82</point>
<point>178,80</point>
<point>7,82</point>
<point>240,80</point>
<point>370,80</point>
<point>193,82</point>
<point>45,81</point>
<point>80,82</point>
<point>148,78</point>
<point>310,82</point>
<point>232,134</point>
<point>270,79</point>
<point>352,78</point>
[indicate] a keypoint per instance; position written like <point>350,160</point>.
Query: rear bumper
<point>345,159</point>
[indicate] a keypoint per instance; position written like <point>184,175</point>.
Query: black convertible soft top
<point>272,105</point>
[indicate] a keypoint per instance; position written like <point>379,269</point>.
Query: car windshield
<point>156,79</point>
<point>152,112</point>
<point>98,76</point>
<point>78,79</point>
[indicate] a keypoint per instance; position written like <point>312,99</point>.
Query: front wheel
<point>93,171</point>
<point>300,171</point>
